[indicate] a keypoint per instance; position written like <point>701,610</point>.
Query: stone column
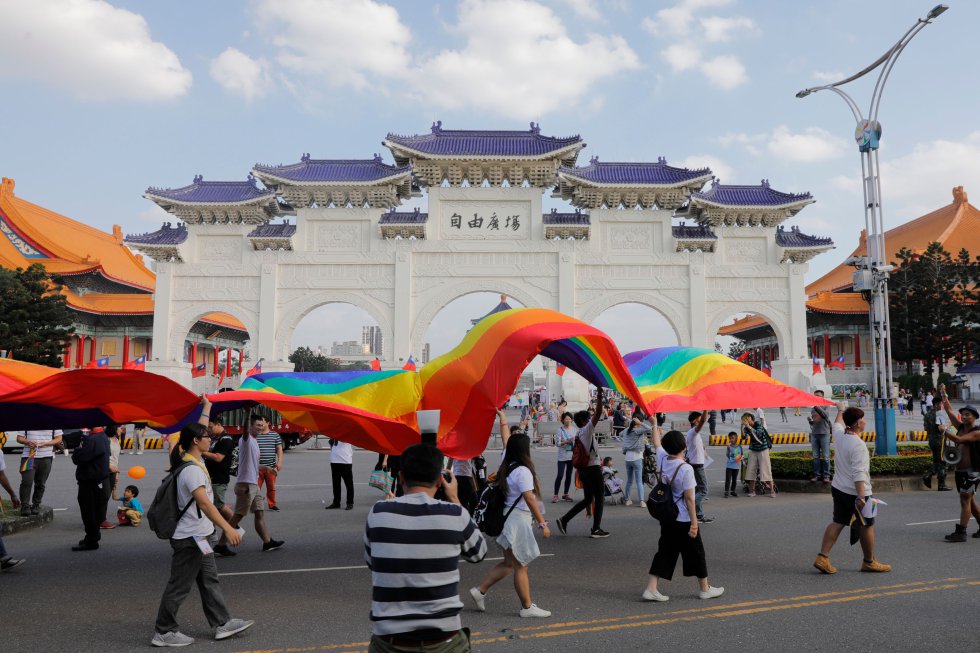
<point>566,279</point>
<point>698,300</point>
<point>265,339</point>
<point>401,325</point>
<point>162,311</point>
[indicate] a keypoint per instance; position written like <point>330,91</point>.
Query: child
<point>131,512</point>
<point>613,484</point>
<point>734,458</point>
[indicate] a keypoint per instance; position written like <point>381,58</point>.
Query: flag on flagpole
<point>744,356</point>
<point>199,371</point>
<point>410,365</point>
<point>817,365</point>
<point>136,364</point>
<point>376,364</point>
<point>225,372</point>
<point>257,369</point>
<point>767,370</point>
<point>837,362</point>
<point>560,369</point>
<point>28,463</point>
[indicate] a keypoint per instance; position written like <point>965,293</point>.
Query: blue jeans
<point>3,549</point>
<point>700,488</point>
<point>821,455</point>
<point>634,471</point>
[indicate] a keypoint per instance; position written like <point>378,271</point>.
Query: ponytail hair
<point>187,436</point>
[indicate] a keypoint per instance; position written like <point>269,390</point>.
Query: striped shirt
<point>412,545</point>
<point>268,443</point>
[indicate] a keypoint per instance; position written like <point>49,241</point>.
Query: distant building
<point>371,336</point>
<point>425,353</point>
<point>350,348</point>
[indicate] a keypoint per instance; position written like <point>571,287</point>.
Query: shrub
<point>912,460</point>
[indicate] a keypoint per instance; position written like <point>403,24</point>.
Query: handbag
<point>382,480</point>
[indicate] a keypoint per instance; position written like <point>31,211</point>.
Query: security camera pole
<point>871,276</point>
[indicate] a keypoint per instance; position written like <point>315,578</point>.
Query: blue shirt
<point>134,504</point>
<point>731,456</point>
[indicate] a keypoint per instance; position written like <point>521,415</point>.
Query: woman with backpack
<point>679,536</point>
<point>193,559</point>
<point>523,510</point>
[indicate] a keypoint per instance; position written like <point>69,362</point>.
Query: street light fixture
<point>872,273</point>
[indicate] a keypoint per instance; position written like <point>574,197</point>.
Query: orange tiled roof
<point>223,319</point>
<point>72,247</point>
<point>743,324</point>
<point>838,302</point>
<point>110,303</point>
<point>955,226</point>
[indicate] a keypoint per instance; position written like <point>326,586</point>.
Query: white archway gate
<point>348,245</point>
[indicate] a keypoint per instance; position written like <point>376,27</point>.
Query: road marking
<point>689,615</point>
<point>941,521</point>
<point>309,569</point>
<point>59,509</point>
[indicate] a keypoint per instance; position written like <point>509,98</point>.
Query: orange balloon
<point>137,472</point>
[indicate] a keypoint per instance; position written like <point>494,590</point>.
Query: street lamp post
<point>871,276</point>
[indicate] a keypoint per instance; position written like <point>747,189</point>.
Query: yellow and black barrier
<point>804,438</point>
<point>148,443</point>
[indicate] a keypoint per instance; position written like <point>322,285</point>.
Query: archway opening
<point>455,319</point>
<point>634,327</point>
<point>218,349</point>
<point>336,336</point>
<point>749,338</point>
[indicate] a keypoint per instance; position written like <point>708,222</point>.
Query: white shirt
<point>519,481</point>
<point>193,523</point>
<point>682,482</point>
<point>928,400</point>
<point>942,420</point>
<point>585,436</point>
<point>852,462</point>
<point>760,416</point>
<point>36,436</point>
<point>248,460</point>
<point>695,447</point>
<point>114,449</point>
<point>565,440</point>
<point>342,453</point>
<point>463,467</point>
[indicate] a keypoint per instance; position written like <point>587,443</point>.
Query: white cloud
<point>828,76</point>
<point>682,56</point>
<point>239,74</point>
<point>750,142</point>
<point>724,71</point>
<point>718,29</point>
<point>811,145</point>
<point>721,170</point>
<point>585,9</point>
<point>341,42</point>
<point>154,215</point>
<point>508,64</point>
<point>89,48</point>
<point>676,21</point>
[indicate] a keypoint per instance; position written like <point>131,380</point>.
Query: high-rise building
<point>425,353</point>
<point>371,336</point>
<point>349,348</point>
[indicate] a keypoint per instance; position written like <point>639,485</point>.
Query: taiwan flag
<point>376,364</point>
<point>410,365</point>
<point>199,371</point>
<point>98,363</point>
<point>817,365</point>
<point>743,357</point>
<point>257,369</point>
<point>767,370</point>
<point>136,364</point>
<point>560,369</point>
<point>837,362</point>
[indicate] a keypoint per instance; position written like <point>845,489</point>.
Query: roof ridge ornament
<point>959,195</point>
<point>305,158</point>
<point>198,179</point>
<point>535,128</point>
<point>252,180</point>
<point>377,158</point>
<point>765,183</point>
<point>594,160</point>
<point>437,127</point>
<point>715,182</point>
<point>662,160</point>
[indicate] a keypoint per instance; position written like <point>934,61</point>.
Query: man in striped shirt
<point>413,545</point>
<point>270,463</point>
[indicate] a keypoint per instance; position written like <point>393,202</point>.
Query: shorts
<point>247,498</point>
<point>219,490</point>
<point>759,468</point>
<point>967,482</point>
<point>844,508</point>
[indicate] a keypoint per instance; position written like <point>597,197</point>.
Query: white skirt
<point>518,537</point>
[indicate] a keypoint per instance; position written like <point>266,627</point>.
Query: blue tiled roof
<point>404,217</point>
<point>761,195</point>
<point>334,170</point>
<point>638,174</point>
<point>477,143</point>
<point>693,232</point>
<point>165,235</point>
<point>502,306</point>
<point>213,192</point>
<point>972,367</point>
<point>556,218</point>
<point>796,238</point>
<point>282,230</point>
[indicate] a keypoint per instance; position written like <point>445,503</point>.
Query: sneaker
<point>958,535</point>
<point>629,502</point>
<point>174,638</point>
<point>233,627</point>
<point>725,495</point>
<point>815,479</point>
<point>655,596</point>
<point>566,497</point>
<point>711,593</point>
<point>139,453</point>
<point>927,481</point>
<point>554,499</point>
<point>733,494</point>
<point>106,526</point>
<point>705,520</point>
<point>479,598</point>
<point>875,566</point>
<point>349,506</point>
<point>332,506</point>
<point>943,488</point>
<point>274,508</point>
<point>824,565</point>
<point>598,533</point>
<point>751,494</point>
<point>534,611</point>
<point>11,563</point>
<point>977,534</point>
<point>562,528</point>
<point>272,545</point>
<point>223,551</point>
<point>35,510</point>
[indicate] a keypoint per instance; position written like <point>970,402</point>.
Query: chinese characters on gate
<point>480,223</point>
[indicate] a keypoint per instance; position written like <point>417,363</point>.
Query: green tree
<point>305,359</point>
<point>736,349</point>
<point>37,323</point>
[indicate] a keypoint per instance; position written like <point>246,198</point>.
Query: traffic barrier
<point>148,443</point>
<point>804,438</point>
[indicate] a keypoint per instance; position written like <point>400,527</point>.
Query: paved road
<point>314,594</point>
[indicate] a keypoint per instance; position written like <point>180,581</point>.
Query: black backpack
<point>489,514</point>
<point>164,513</point>
<point>661,502</point>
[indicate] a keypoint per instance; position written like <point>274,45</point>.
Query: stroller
<point>612,487</point>
<point>649,466</point>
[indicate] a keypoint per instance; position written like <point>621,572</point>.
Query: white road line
<point>298,571</point>
<point>59,509</point>
<point>941,521</point>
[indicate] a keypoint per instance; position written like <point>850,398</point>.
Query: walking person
<point>115,447</point>
<point>465,483</point>
<point>91,458</point>
<point>139,432</point>
<point>820,442</point>
<point>590,475</point>
<point>564,440</point>
<point>36,461</point>
<point>218,461</point>
<point>851,490</point>
<point>760,467</point>
<point>696,457</point>
<point>7,561</point>
<point>342,469</point>
<point>934,424</point>
<point>634,444</point>
<point>413,611</point>
<point>681,537</point>
<point>967,474</point>
<point>193,561</point>
<point>270,463</point>
<point>519,482</point>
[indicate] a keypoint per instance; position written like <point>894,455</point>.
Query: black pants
<point>35,478</point>
<point>938,465</point>
<point>343,471</point>
<point>92,503</point>
<point>564,469</point>
<point>591,478</point>
<point>466,488</point>
<point>187,567</point>
<point>675,541</point>
<point>731,480</point>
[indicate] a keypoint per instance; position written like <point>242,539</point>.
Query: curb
<point>13,523</point>
<point>878,484</point>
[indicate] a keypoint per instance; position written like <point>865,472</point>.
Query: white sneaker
<point>712,592</point>
<point>534,611</point>
<point>629,502</point>
<point>654,596</point>
<point>233,627</point>
<point>174,638</point>
<point>479,598</point>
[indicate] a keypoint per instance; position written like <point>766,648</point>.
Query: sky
<point>103,99</point>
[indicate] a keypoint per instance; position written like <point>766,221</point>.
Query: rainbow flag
<point>691,378</point>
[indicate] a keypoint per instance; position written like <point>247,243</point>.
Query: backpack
<point>164,513</point>
<point>489,514</point>
<point>581,456</point>
<point>661,502</point>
